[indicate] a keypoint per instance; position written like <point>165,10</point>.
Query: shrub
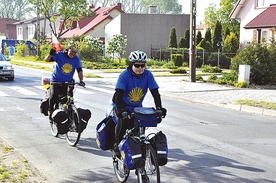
<point>210,69</point>
<point>177,59</point>
<point>212,78</point>
<point>241,84</point>
<point>199,78</point>
<point>178,71</point>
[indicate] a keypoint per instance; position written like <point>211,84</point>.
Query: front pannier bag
<point>159,143</point>
<point>60,117</point>
<point>105,134</point>
<point>130,149</point>
<point>146,117</point>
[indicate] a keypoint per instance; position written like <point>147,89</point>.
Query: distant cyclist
<point>66,64</point>
<point>130,91</point>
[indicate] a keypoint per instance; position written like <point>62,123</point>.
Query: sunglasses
<point>139,65</point>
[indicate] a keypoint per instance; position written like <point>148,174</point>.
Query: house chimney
<point>119,5</point>
<point>153,9</point>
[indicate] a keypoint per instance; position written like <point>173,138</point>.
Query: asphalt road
<point>207,143</point>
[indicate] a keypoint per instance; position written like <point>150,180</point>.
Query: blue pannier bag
<point>160,145</point>
<point>105,134</point>
<point>146,117</point>
<point>131,152</point>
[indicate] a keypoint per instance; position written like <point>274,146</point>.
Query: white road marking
<point>23,90</point>
<point>99,89</point>
<point>2,94</point>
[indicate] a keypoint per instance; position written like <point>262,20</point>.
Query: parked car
<point>6,69</point>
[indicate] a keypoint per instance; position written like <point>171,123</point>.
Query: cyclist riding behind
<point>66,64</point>
<point>130,91</point>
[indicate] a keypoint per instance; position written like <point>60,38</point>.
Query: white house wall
<point>112,28</point>
<point>248,13</point>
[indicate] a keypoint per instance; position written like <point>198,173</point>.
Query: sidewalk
<point>208,93</point>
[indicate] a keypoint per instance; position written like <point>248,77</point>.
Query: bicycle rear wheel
<point>120,169</point>
<point>150,173</point>
<point>73,135</point>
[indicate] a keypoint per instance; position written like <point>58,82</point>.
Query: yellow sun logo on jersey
<point>66,68</point>
<point>136,94</point>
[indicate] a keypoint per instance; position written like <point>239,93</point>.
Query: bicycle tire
<point>151,167</point>
<point>54,129</point>
<point>120,170</point>
<point>73,135</point>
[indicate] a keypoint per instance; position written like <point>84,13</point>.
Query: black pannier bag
<point>84,115</point>
<point>61,118</point>
<point>105,134</point>
<point>159,143</point>
<point>130,149</point>
<point>44,106</point>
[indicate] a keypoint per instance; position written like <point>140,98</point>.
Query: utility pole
<point>38,26</point>
<point>192,52</point>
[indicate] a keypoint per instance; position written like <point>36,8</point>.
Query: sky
<point>201,5</point>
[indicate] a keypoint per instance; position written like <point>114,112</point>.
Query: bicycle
<point>149,171</point>
<point>66,103</point>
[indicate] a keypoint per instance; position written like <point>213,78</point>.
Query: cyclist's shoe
<point>116,150</point>
<point>145,179</point>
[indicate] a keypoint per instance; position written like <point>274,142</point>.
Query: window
<point>19,30</point>
<point>264,3</point>
<point>264,36</point>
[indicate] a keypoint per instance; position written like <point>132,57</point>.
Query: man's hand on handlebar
<point>82,84</point>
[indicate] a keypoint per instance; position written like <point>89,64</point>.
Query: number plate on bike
<point>145,117</point>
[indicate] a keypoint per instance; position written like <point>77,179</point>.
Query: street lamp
<point>219,45</point>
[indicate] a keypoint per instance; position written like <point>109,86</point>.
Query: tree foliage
<point>231,43</point>
<point>15,9</point>
<point>172,39</point>
<point>117,45</point>
<point>261,59</point>
<point>212,14</point>
<point>198,37</point>
<point>69,10</point>
<point>217,37</point>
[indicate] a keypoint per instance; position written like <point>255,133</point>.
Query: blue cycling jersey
<point>65,67</point>
<point>135,89</point>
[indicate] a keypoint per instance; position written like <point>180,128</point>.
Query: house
<point>7,28</point>
<point>26,29</point>
<point>94,26</point>
<point>257,20</point>
<point>146,31</point>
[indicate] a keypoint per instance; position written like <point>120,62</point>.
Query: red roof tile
<point>85,25</point>
<point>265,19</point>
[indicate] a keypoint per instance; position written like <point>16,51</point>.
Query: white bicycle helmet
<point>138,56</point>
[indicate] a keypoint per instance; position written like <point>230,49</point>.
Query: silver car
<point>6,69</point>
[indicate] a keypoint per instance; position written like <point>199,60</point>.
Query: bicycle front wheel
<point>73,135</point>
<point>150,172</point>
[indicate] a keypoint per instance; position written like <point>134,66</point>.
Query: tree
<point>198,37</point>
<point>212,15</point>
<point>117,45</point>
<point>172,39</point>
<point>76,11</point>
<point>181,43</point>
<point>15,9</point>
<point>217,37</point>
<point>142,6</point>
<point>208,36</point>
<point>187,38</point>
<point>231,43</point>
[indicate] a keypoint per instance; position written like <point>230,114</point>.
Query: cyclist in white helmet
<point>66,64</point>
<point>130,91</point>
